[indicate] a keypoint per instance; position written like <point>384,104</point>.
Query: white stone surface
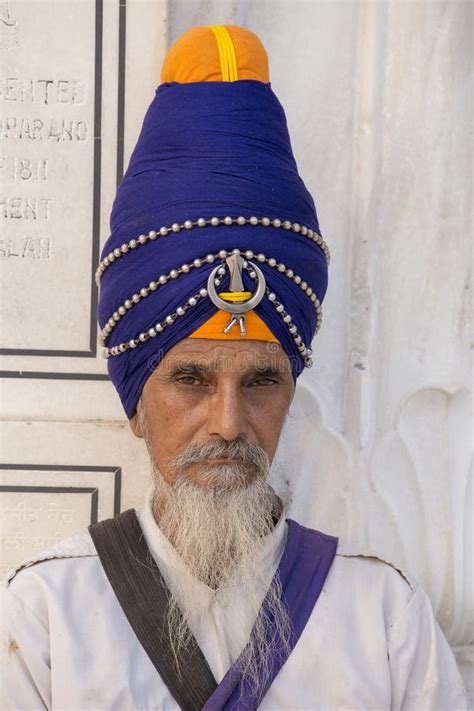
<point>378,101</point>
<point>378,104</point>
<point>87,457</point>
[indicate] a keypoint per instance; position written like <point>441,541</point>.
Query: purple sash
<point>304,566</point>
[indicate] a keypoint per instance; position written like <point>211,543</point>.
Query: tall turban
<point>212,175</point>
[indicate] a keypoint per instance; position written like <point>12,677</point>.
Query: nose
<point>227,415</point>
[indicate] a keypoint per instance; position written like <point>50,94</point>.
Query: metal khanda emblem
<point>237,301</point>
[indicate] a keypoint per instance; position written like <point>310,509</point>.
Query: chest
<point>97,662</point>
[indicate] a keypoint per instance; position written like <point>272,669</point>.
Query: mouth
<point>219,459</point>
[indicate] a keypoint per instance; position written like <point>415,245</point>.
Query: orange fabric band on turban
<point>256,329</point>
<point>220,53</point>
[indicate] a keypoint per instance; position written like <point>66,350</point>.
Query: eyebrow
<point>196,367</point>
<point>191,367</point>
<point>268,370</point>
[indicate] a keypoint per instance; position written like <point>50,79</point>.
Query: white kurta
<point>371,643</point>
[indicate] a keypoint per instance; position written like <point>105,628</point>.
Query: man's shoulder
<point>68,550</point>
<point>367,587</point>
<point>362,582</point>
<point>354,560</point>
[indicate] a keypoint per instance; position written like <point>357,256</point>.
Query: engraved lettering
<point>15,212</point>
<point>25,129</point>
<point>26,248</point>
<point>20,208</point>
<point>81,131</point>
<point>31,209</point>
<point>42,248</point>
<point>16,540</point>
<point>37,129</point>
<point>29,248</point>
<point>45,83</point>
<point>11,90</point>
<point>67,129</point>
<point>57,130</point>
<point>43,91</point>
<point>24,169</point>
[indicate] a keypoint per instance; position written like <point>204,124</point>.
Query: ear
<point>135,426</point>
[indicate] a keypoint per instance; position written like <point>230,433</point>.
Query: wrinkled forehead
<point>219,356</point>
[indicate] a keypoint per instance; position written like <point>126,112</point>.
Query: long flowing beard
<point>218,534</point>
<point>217,529</point>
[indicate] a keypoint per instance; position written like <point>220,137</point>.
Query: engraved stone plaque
<point>70,475</point>
<point>24,520</point>
<point>41,504</point>
<point>75,84</point>
<point>50,102</point>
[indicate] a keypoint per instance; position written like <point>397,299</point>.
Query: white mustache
<point>240,450</point>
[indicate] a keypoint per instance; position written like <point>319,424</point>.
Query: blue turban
<point>206,149</point>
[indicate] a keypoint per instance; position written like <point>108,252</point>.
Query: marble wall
<point>379,102</point>
<point>75,85</point>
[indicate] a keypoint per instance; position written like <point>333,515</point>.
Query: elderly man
<point>211,289</point>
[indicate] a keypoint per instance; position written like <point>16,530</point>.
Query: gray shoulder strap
<point>143,595</point>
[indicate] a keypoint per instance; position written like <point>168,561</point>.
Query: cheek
<point>267,413</point>
<point>172,422</point>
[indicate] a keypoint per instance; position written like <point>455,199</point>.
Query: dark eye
<point>263,380</point>
<point>188,380</point>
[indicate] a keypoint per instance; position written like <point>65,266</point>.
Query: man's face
<point>210,391</point>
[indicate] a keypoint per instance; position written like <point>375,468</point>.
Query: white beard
<point>218,534</point>
<point>217,530</point>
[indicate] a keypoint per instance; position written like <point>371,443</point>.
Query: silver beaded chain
<point>161,325</point>
<point>213,222</point>
<point>157,328</point>
<point>197,263</point>
<point>151,287</point>
<point>279,307</point>
<point>305,351</point>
